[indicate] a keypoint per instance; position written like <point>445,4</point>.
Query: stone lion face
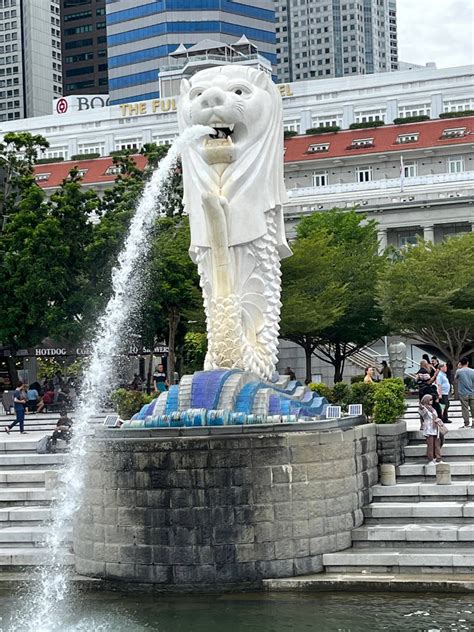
<point>235,101</point>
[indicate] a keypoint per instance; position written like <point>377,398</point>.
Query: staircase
<point>417,526</point>
<point>26,494</point>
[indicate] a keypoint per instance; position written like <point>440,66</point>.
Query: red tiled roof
<point>385,139</point>
<point>96,170</point>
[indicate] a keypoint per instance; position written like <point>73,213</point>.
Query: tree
<point>355,264</point>
<point>428,295</point>
<point>313,298</point>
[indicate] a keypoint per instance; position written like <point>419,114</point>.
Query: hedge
<point>289,133</point>
<point>85,156</point>
<point>47,161</point>
<point>449,115</point>
<point>367,125</point>
<point>128,402</point>
<point>411,119</point>
<point>322,129</point>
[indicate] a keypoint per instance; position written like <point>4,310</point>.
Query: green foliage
<point>322,389</point>
<point>367,125</point>
<point>322,129</point>
<point>47,161</point>
<point>127,403</point>
<point>341,395</point>
<point>352,267</point>
<point>289,133</point>
<point>194,351</point>
<point>355,379</point>
<point>438,307</point>
<point>48,367</point>
<point>450,115</point>
<point>90,156</point>
<point>363,393</point>
<point>389,401</point>
<point>411,119</point>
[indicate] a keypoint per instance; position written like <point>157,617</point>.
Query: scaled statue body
<point>233,193</point>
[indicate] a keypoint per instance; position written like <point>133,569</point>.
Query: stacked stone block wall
<point>222,510</point>
<point>391,442</point>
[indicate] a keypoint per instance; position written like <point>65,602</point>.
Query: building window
<point>113,170</point>
<point>370,116</point>
<point>315,149</point>
<point>363,174</point>
<point>320,178</point>
<point>414,110</point>
<point>411,169</point>
<point>292,126</point>
<point>454,132</point>
<point>406,238</point>
<point>459,106</point>
<point>408,138</point>
<point>42,177</point>
<point>456,164</point>
<point>326,121</point>
<point>358,143</point>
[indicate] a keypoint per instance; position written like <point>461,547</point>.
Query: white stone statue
<point>397,353</point>
<point>233,193</point>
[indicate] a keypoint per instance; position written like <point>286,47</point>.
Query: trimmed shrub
<point>449,115</point>
<point>367,125</point>
<point>411,119</point>
<point>85,156</point>
<point>323,390</point>
<point>342,395</point>
<point>127,403</point>
<point>47,161</point>
<point>322,129</point>
<point>289,133</point>
<point>355,379</point>
<point>389,401</point>
<point>364,394</point>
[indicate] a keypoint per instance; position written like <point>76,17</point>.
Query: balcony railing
<point>391,184</point>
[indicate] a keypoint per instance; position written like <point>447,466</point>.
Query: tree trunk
<point>338,363</point>
<point>173,322</point>
<point>308,354</point>
<point>149,372</point>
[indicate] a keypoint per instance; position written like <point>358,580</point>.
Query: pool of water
<point>258,612</point>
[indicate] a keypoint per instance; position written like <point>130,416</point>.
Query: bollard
<point>387,474</point>
<point>443,474</point>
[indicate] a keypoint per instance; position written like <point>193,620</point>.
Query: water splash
<point>44,606</point>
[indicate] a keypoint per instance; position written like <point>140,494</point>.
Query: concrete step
<point>443,535</point>
<point>22,477</point>
<point>402,560</point>
<point>31,459</point>
<point>15,444</point>
<point>409,492</point>
<point>14,516</point>
<point>25,496</point>
<point>426,511</point>
<point>424,472</point>
<point>20,557</point>
<point>456,450</point>
<point>28,535</point>
<point>465,435</point>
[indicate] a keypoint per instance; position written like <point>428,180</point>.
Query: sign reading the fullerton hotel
<point>162,106</point>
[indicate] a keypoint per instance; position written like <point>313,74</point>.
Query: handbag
<point>441,427</point>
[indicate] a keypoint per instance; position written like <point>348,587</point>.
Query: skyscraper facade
<point>333,38</point>
<point>84,47</point>
<point>142,33</point>
<point>30,57</point>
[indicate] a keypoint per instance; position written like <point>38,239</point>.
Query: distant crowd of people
<point>159,379</point>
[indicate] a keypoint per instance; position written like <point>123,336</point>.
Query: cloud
<point>436,30</point>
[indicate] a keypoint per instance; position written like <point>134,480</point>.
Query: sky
<point>436,30</point>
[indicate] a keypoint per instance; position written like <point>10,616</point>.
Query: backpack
<point>44,445</point>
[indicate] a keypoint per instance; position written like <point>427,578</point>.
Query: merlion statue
<point>233,193</point>
<point>397,353</point>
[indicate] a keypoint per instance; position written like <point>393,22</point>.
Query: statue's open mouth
<point>222,134</point>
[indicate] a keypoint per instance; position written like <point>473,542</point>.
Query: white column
<point>382,239</point>
<point>428,233</point>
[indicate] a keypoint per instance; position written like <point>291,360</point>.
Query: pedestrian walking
<point>19,403</point>
<point>465,379</point>
<point>444,388</point>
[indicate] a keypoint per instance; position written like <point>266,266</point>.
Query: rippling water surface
<point>254,612</point>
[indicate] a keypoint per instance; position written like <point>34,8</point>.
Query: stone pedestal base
<point>221,509</point>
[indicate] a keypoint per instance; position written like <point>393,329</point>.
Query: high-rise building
<point>84,46</point>
<point>333,38</point>
<point>30,57</point>
<point>142,33</point>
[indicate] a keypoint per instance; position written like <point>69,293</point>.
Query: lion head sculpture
<point>243,160</point>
